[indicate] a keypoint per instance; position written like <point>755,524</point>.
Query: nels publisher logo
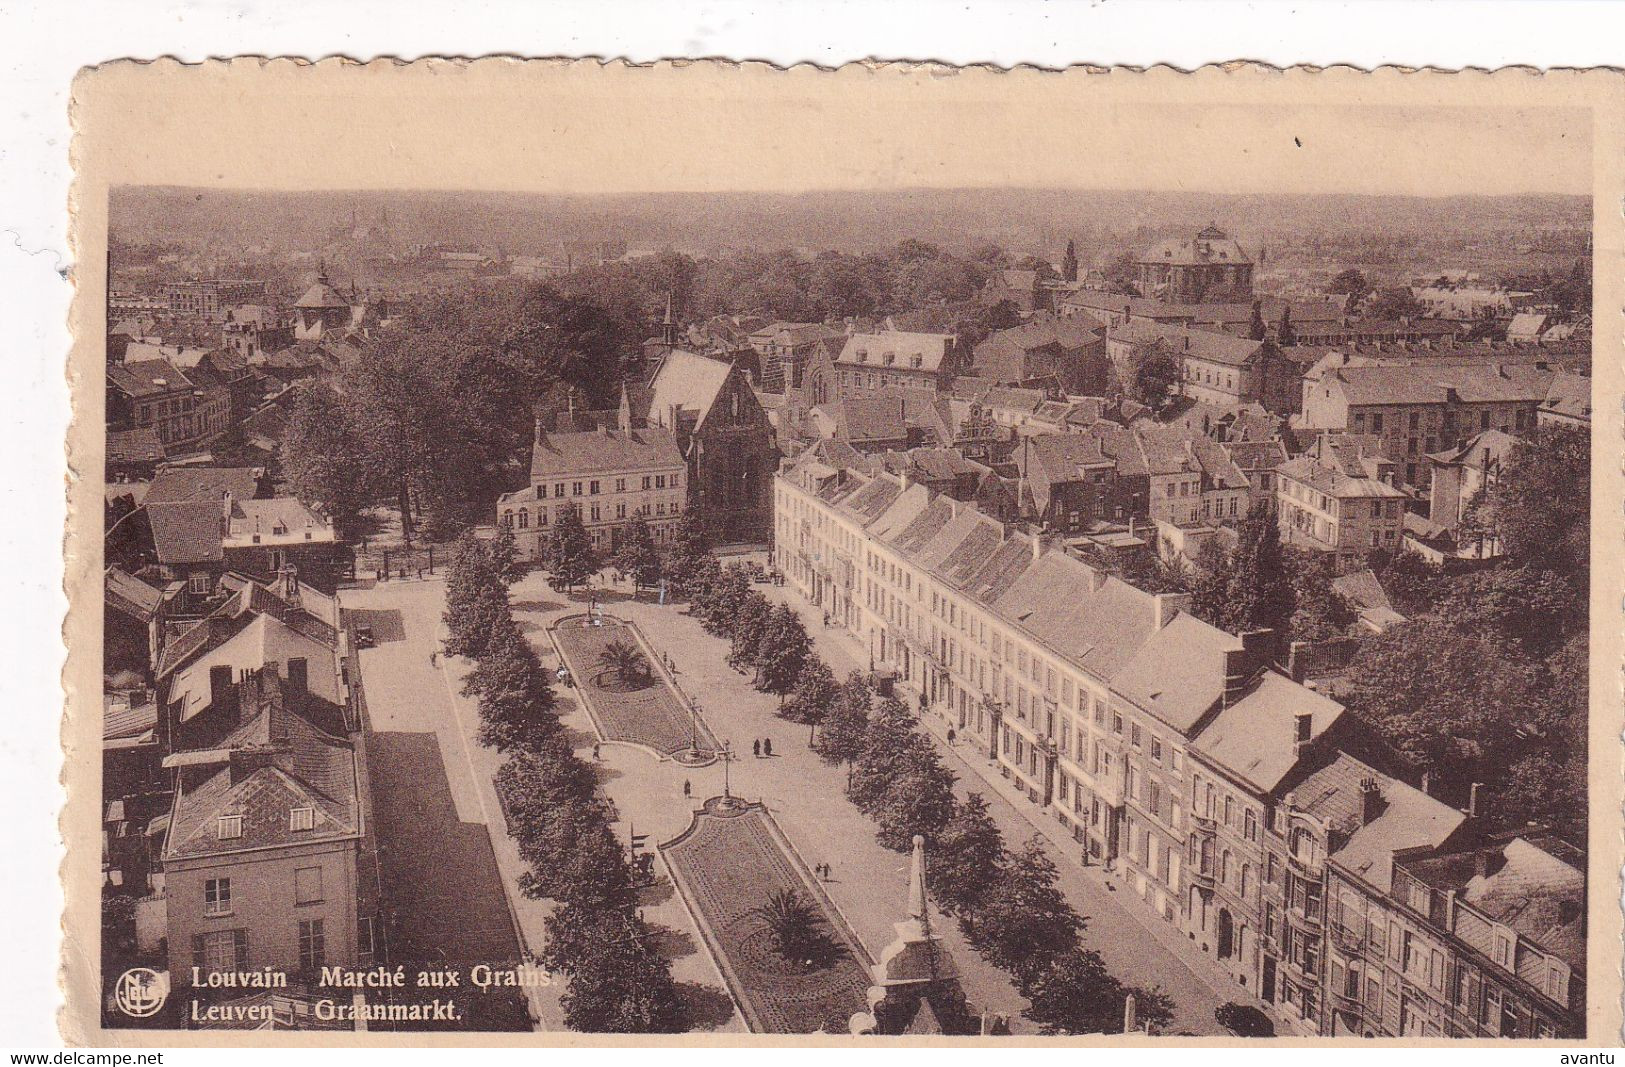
<point>141,992</point>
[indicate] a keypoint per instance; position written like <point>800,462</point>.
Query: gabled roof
<point>293,765</point>
<point>895,350</point>
<point>1405,817</point>
<point>1255,737</point>
<point>175,484</point>
<point>1178,672</point>
<point>321,295</point>
<point>1329,480</point>
<point>1491,383</point>
<point>131,595</point>
<point>597,452</point>
<point>1569,395</point>
<point>186,531</point>
<point>148,377</point>
<point>1056,599</point>
<point>687,381</point>
<point>1540,895</point>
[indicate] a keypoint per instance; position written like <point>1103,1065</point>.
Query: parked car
<point>364,637</point>
<point>1244,1020</point>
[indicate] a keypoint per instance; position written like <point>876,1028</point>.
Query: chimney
<point>1481,863</point>
<point>1097,579</point>
<point>541,432</point>
<point>1038,546</point>
<point>1370,801</point>
<point>1297,660</point>
<point>227,505</point>
<point>1165,606</point>
<point>1474,810</point>
<point>1427,782</point>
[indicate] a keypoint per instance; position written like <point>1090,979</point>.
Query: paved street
<point>426,731</point>
<point>447,890</point>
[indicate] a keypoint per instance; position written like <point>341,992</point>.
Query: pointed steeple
<point>668,325</point>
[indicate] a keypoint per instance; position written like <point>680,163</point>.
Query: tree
<point>967,857</point>
<point>1156,379</point>
<point>476,599</point>
<point>1352,283</point>
<point>1320,612</point>
<point>918,801</point>
<point>1210,584</point>
<point>1257,330</point>
<point>749,623</point>
<point>795,925</point>
<point>568,554</point>
<point>624,660</point>
<point>1541,503</point>
<point>323,460</point>
<point>781,651</point>
<point>505,555</point>
<point>1260,594</point>
<point>515,695</point>
<point>721,600</point>
<point>1457,703</point>
<point>1285,335</point>
<point>814,693</point>
<point>1071,992</point>
<point>891,747</point>
<point>1069,262</point>
<point>1025,920</point>
<point>616,982</point>
<point>1396,302</point>
<point>692,550</point>
<point>637,556</point>
<point>841,738</point>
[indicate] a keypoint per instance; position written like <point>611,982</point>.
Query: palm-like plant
<point>625,661</point>
<point>794,924</point>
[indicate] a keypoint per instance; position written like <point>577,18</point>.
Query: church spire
<point>668,325</point>
<point>917,908</point>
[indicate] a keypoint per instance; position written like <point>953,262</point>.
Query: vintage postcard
<point>566,552</point>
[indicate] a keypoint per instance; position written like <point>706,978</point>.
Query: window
<point>312,945</point>
<point>575,488</point>
<point>1156,749</point>
<point>592,487</point>
<point>1134,734</point>
<point>307,885</point>
<point>646,481</point>
<point>1504,944</point>
<point>198,583</point>
<point>229,827</point>
<point>220,951</point>
<point>217,896</point>
<point>620,485</point>
<point>558,489</point>
<point>660,481</point>
<point>363,935</point>
<point>302,819</point>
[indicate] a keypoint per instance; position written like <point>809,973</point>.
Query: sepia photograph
<point>742,553</point>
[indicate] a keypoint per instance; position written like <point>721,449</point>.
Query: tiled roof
<point>1178,672</point>
<point>895,350</point>
<point>321,295</point>
<point>295,765</point>
<point>185,531</point>
<point>687,381</point>
<point>1254,738</point>
<point>596,452</point>
<point>1333,482</point>
<point>140,445</point>
<point>1569,395</point>
<point>149,377</point>
<point>1210,246</point>
<point>131,594</point>
<point>1539,895</point>
<point>175,484</point>
<point>1406,817</point>
<point>1493,383</point>
<point>1055,600</point>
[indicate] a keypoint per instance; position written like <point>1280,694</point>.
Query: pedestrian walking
<point>434,659</point>
<point>829,873</point>
<point>951,735</point>
<point>688,788</point>
<point>595,751</point>
<point>767,746</point>
<point>756,749</point>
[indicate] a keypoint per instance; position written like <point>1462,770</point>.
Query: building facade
<point>609,476</point>
<point>1210,266</point>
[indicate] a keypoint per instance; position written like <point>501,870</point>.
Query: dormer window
<point>863,355</point>
<point>302,819</point>
<point>229,827</point>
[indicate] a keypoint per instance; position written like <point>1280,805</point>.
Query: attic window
<point>229,828</point>
<point>302,819</point>
<point>863,355</point>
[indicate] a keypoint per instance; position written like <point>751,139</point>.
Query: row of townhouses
<point>1251,813</point>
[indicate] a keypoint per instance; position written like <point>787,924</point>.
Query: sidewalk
<point>1118,921</point>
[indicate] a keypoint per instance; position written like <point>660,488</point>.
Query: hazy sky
<point>584,130</point>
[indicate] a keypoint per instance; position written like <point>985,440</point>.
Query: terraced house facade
<point>1174,753</point>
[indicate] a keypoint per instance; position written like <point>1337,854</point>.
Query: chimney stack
<point>1165,606</point>
<point>1427,782</point>
<point>1370,801</point>
<point>227,505</point>
<point>1473,807</point>
<point>1297,660</point>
